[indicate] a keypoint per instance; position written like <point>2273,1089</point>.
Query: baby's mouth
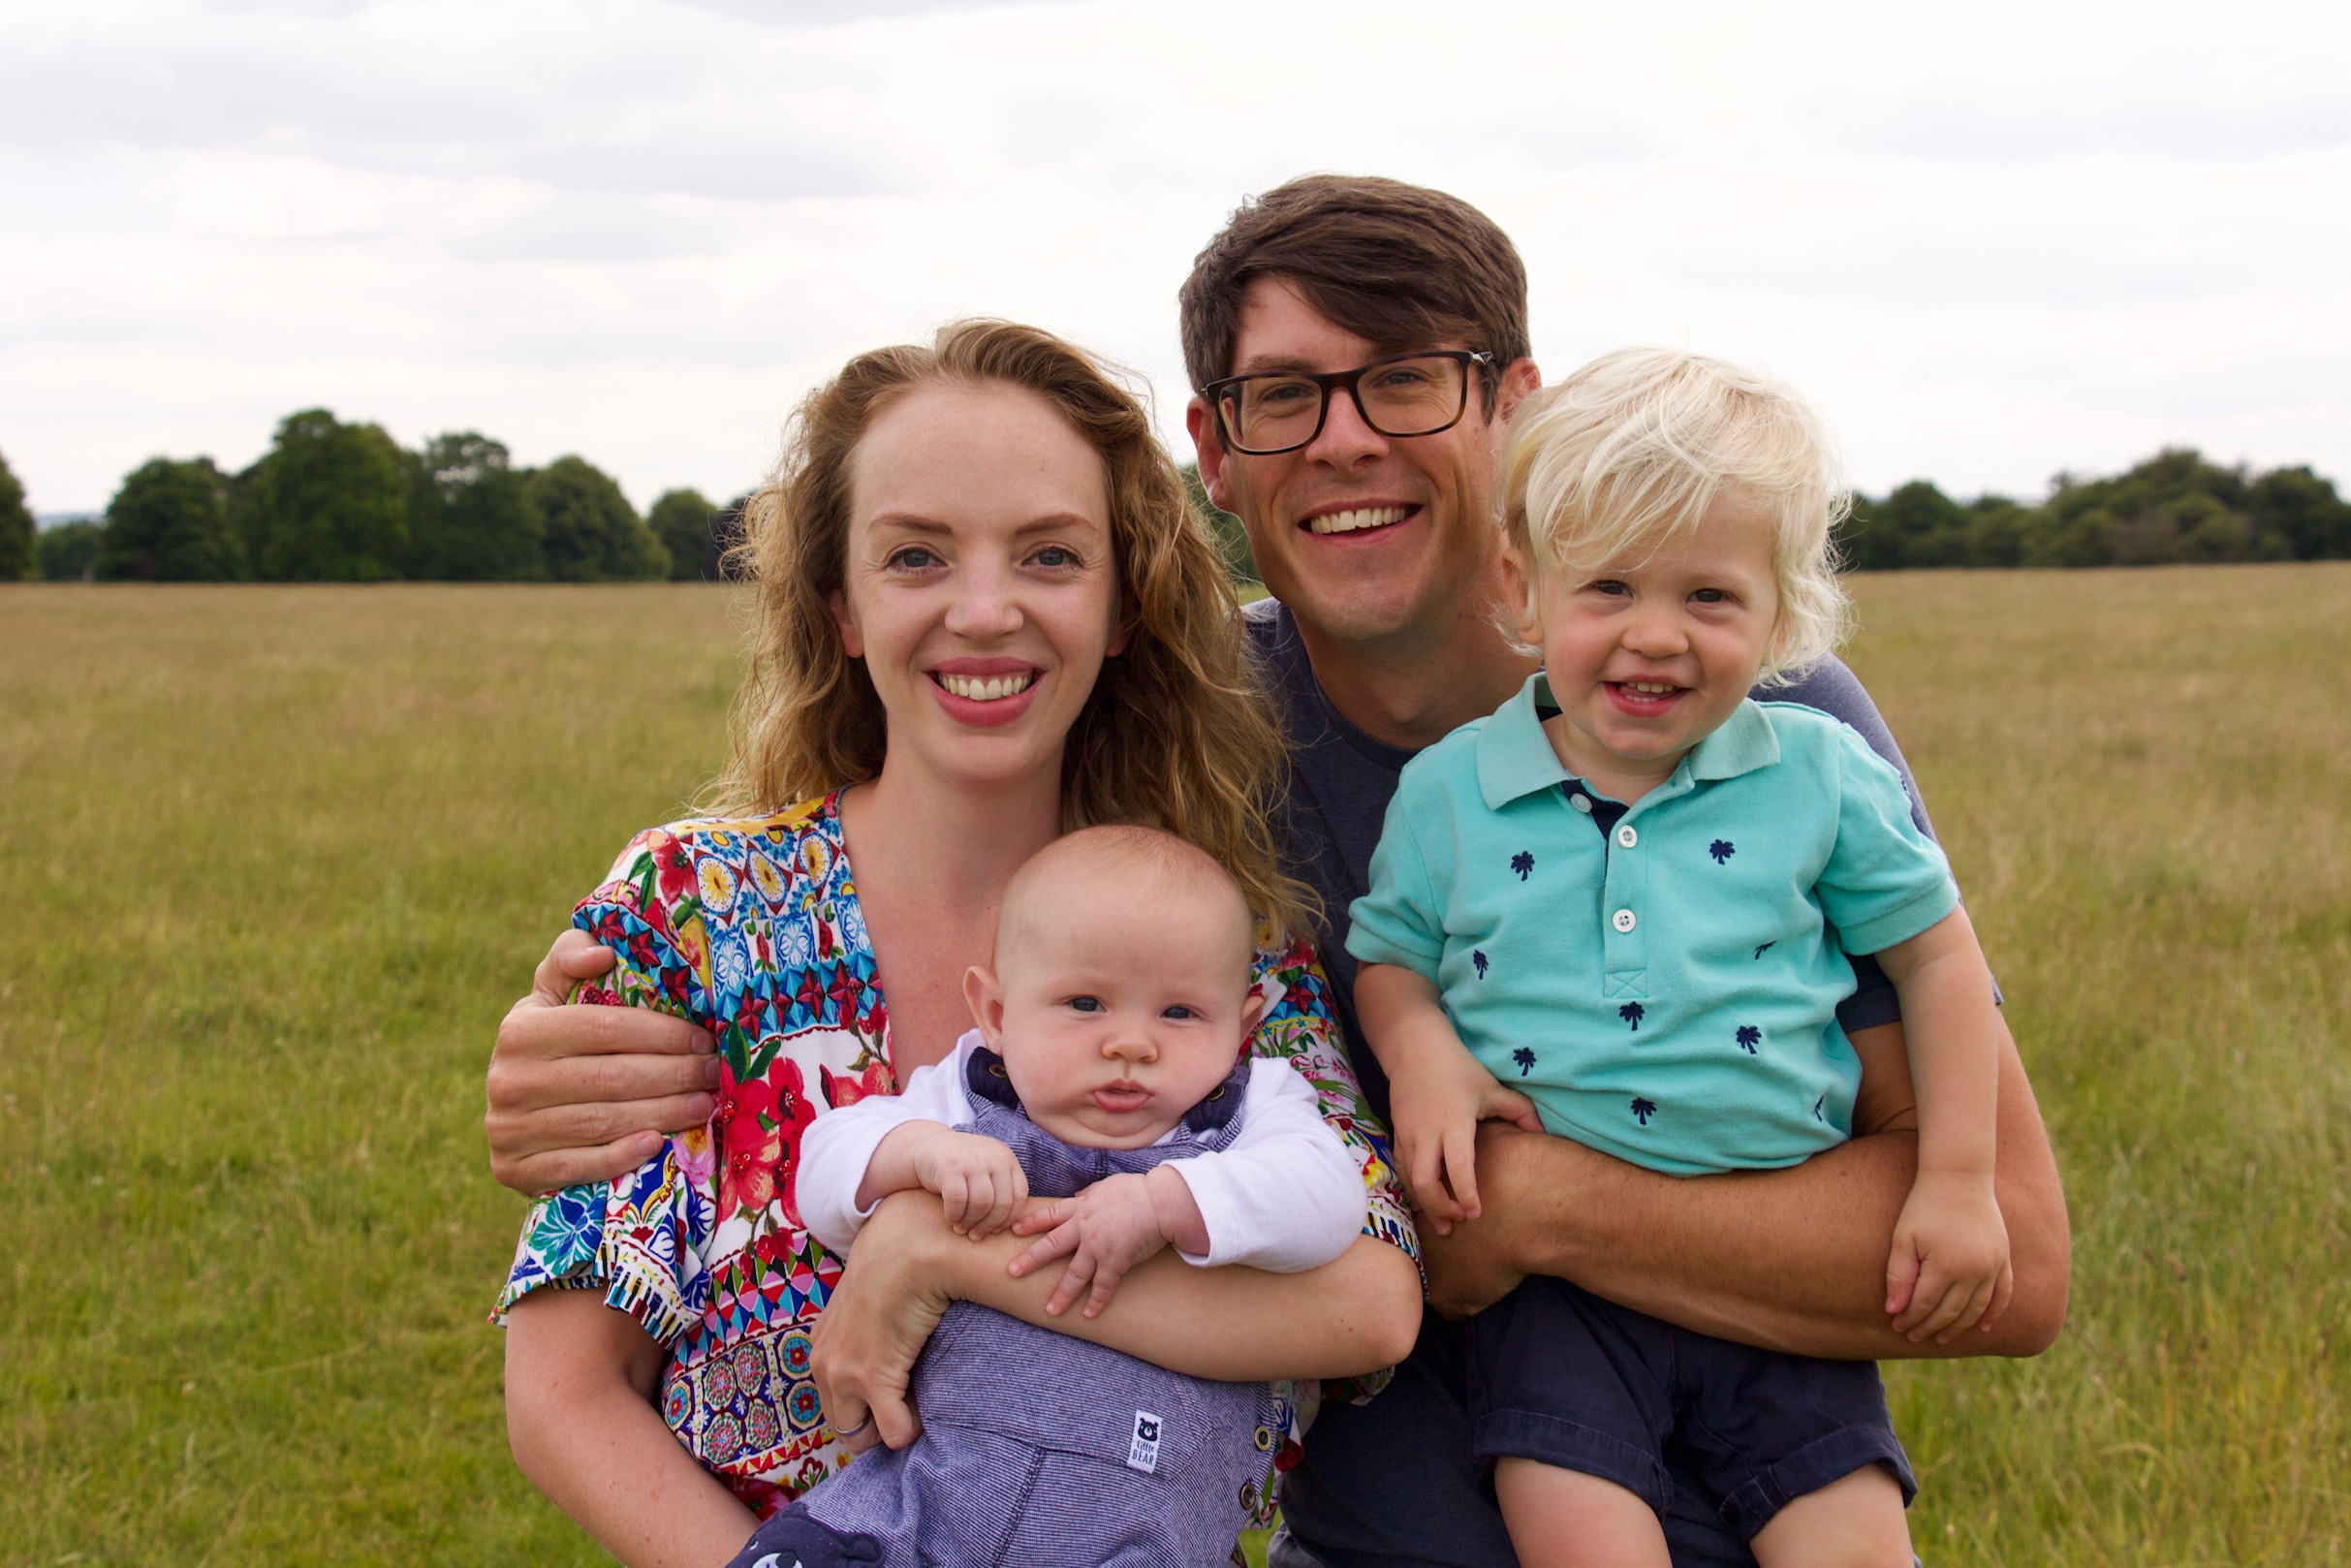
<point>1121,1097</point>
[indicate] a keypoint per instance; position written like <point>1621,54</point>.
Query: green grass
<point>272,862</point>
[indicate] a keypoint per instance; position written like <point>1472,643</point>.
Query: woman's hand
<point>881,1314</point>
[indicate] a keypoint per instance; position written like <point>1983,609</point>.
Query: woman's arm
<point>1358,1314</point>
<point>580,1382</point>
<point>1745,1256</point>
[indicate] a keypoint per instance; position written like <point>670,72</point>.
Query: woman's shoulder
<point>778,840</point>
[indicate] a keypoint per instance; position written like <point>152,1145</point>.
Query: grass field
<point>273,860</point>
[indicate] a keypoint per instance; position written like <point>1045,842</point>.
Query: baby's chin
<point>1090,1127</point>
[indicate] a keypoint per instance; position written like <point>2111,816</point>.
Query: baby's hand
<point>977,1178</point>
<point>1949,1267</point>
<point>1438,1098</point>
<point>1107,1229</point>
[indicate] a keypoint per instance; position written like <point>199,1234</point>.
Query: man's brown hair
<point>1400,265</point>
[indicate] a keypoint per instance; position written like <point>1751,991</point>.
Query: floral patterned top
<point>752,930</point>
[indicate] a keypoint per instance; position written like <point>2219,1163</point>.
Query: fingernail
<point>702,1044</point>
<point>713,1072</point>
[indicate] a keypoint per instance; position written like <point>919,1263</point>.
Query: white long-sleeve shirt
<point>1283,1196</point>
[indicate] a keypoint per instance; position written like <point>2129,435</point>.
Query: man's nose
<point>1346,435</point>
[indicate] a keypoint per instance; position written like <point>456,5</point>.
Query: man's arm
<point>587,1093</point>
<point>1746,1256</point>
<point>1358,1314</point>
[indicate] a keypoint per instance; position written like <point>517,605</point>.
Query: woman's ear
<point>852,644</point>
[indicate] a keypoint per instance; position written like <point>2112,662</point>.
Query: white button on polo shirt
<point>1625,835</point>
<point>1582,802</point>
<point>1623,920</point>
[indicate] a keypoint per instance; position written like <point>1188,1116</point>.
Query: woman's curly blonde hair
<point>1175,735</point>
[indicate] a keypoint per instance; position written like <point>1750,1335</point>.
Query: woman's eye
<point>913,558</point>
<point>1055,555</point>
<point>1085,1004</point>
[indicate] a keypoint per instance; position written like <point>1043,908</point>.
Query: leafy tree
<point>1996,531</point>
<point>18,548</point>
<point>688,528</point>
<point>1225,531</point>
<point>169,524</point>
<point>1931,526</point>
<point>593,535</point>
<point>2304,510</point>
<point>69,552</point>
<point>1864,544</point>
<point>327,504</point>
<point>470,514</point>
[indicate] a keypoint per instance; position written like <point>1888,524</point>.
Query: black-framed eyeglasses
<point>1403,394</point>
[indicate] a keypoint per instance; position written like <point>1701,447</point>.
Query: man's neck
<point>1412,690</point>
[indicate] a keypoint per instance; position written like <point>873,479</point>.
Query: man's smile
<point>1358,519</point>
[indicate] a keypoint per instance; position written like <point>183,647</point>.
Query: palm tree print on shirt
<point>1722,849</point>
<point>1522,863</point>
<point>1631,1014</point>
<point>1749,1037</point>
<point>1477,958</point>
<point>1816,1104</point>
<point>1526,1059</point>
<point>1765,948</point>
<point>1642,1111</point>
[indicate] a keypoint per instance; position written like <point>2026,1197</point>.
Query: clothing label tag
<point>1142,1453</point>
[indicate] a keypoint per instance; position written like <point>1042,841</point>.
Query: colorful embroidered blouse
<point>752,930</point>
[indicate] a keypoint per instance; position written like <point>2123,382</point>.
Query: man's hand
<point>1105,1230</point>
<point>1470,1266</point>
<point>587,1093</point>
<point>878,1319</point>
<point>1949,1270</point>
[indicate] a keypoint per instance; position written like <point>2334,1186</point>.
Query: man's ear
<point>852,644</point>
<point>1520,380</point>
<point>1200,421</point>
<point>985,999</point>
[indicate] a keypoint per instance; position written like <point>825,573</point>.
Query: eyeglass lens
<point>1408,396</point>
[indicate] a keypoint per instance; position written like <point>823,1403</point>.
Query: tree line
<point>335,502</point>
<point>345,503</point>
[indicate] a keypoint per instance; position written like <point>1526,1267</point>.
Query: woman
<point>984,617</point>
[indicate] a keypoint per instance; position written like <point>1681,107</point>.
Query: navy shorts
<point>792,1539</point>
<point>1559,1376</point>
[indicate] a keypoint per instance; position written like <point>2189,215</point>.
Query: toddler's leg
<point>1566,1519</point>
<point>1855,1522</point>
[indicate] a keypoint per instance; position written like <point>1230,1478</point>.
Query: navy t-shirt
<point>1391,1483</point>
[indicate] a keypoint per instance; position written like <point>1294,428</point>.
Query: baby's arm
<point>579,1416</point>
<point>977,1178</point>
<point>1949,1265</point>
<point>1437,1093</point>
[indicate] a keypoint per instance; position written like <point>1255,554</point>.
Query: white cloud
<point>1992,243</point>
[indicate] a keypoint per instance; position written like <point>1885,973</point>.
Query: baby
<point>1628,895</point>
<point>1107,1074</point>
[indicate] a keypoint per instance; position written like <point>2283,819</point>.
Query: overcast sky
<point>1993,240</point>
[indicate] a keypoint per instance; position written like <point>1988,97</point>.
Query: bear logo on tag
<point>1142,1453</point>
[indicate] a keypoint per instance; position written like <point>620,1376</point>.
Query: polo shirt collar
<point>1515,757</point>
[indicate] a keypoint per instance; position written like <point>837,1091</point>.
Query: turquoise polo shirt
<point>1665,991</point>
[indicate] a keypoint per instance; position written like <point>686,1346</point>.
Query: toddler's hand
<point>1437,1100</point>
<point>977,1178</point>
<point>1106,1230</point>
<point>1950,1266</point>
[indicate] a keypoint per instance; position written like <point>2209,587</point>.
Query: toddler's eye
<point>1710,596</point>
<point>1610,586</point>
<point>1085,1004</point>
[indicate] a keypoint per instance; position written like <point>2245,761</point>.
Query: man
<point>1372,525</point>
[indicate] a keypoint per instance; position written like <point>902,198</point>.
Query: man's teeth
<point>987,688</point>
<point>1347,522</point>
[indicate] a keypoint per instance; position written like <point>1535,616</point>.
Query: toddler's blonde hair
<point>1627,454</point>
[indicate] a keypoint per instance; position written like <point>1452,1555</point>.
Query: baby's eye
<point>1178,1011</point>
<point>1085,1004</point>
